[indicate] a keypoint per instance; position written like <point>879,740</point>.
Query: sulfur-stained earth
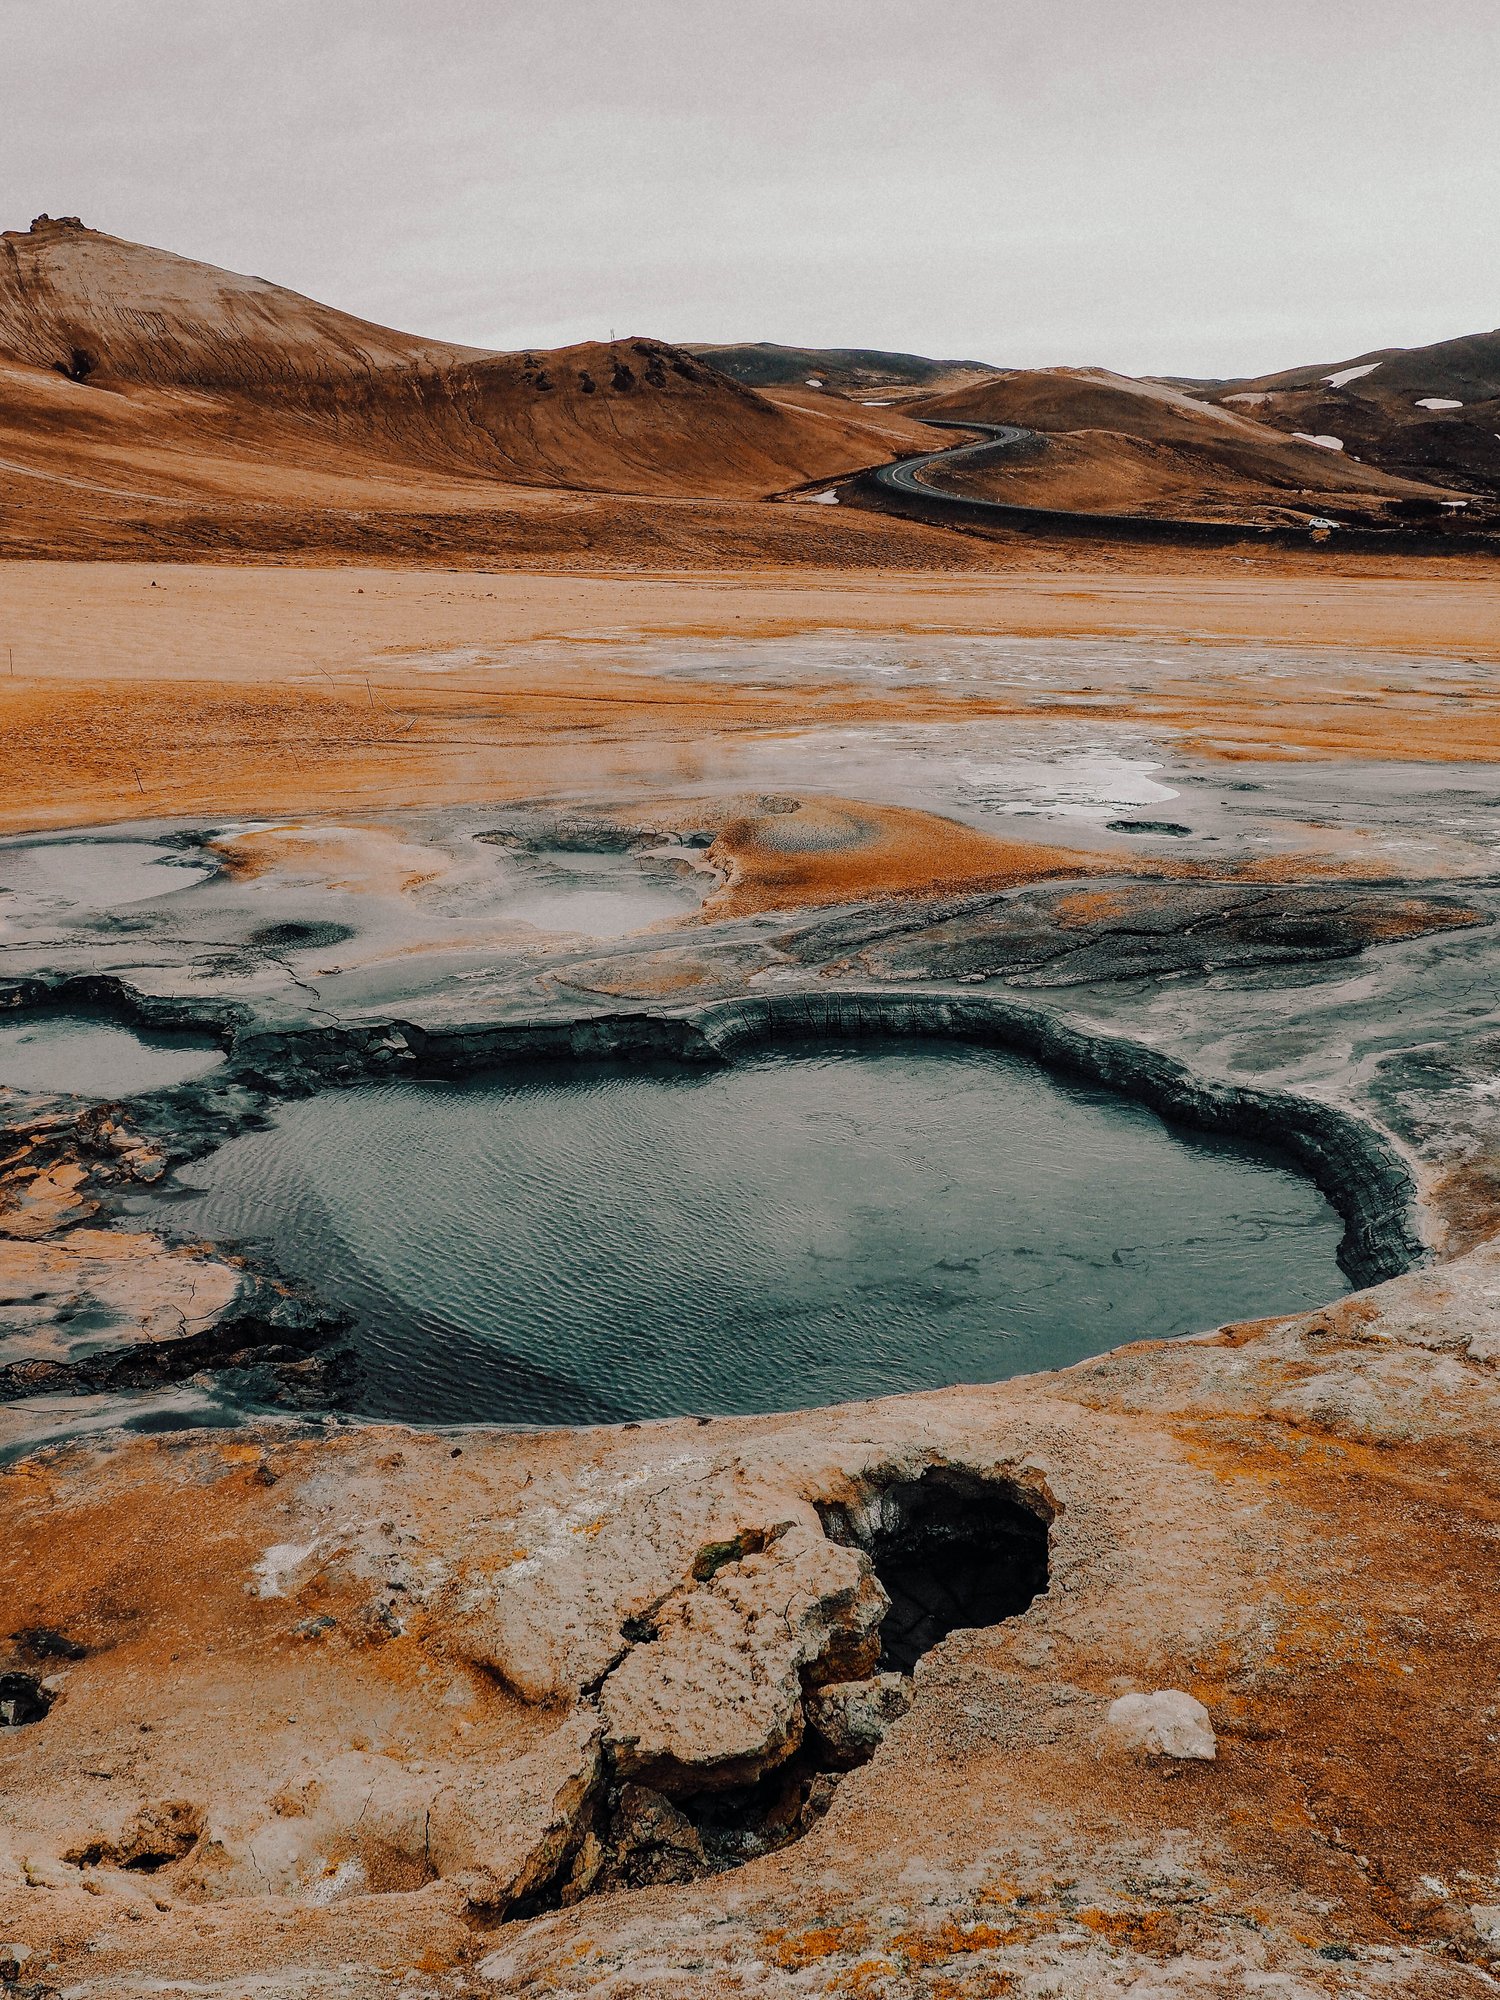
<point>813,1703</point>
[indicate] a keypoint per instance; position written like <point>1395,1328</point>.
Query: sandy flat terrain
<point>88,619</point>
<point>128,689</point>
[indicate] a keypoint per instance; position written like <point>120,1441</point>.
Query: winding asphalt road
<point>902,476</point>
<point>938,503</point>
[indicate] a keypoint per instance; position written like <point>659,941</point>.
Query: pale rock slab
<point>502,1843</point>
<point>1169,1723</point>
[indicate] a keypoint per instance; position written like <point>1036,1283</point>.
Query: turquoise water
<point>594,1245</point>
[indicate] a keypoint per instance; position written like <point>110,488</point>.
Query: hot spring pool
<point>591,1245</point>
<point>96,1058</point>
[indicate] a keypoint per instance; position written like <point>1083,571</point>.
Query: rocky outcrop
<point>357,1779</point>
<point>336,1764</point>
<point>850,1718</point>
<point>507,1845</point>
<point>714,1699</point>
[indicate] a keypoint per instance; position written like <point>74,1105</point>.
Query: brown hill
<point>1430,412</point>
<point>96,307</point>
<point>1121,445</point>
<point>131,377</point>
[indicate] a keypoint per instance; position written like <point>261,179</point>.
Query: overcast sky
<point>1191,186</point>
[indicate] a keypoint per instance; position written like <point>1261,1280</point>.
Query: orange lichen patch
<point>798,1949</point>
<point>1468,1199</point>
<point>100,1564</point>
<point>1380,1620</point>
<point>1002,1890</point>
<point>433,1959</point>
<point>1154,1933</point>
<point>830,850</point>
<point>865,1981</point>
<point>241,1454</point>
<point>951,1939</point>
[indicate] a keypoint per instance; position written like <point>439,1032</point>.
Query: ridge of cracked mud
<point>710,1704</point>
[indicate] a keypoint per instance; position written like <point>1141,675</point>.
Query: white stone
<point>274,1570</point>
<point>1168,1723</point>
<point>1485,1918</point>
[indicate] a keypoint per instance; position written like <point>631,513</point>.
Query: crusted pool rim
<point>1357,1165</point>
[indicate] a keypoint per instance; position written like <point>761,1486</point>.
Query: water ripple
<point>791,1231</point>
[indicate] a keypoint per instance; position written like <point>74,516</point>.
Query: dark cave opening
<point>23,1700</point>
<point>952,1549</point>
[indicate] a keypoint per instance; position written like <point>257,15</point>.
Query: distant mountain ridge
<point>93,305</point>
<point>135,381</point>
<point>1426,412</point>
<point>1124,444</point>
<point>763,364</point>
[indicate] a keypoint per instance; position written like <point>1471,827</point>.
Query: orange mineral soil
<point>132,691</point>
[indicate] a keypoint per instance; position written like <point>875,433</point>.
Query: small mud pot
<point>587,1245</point>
